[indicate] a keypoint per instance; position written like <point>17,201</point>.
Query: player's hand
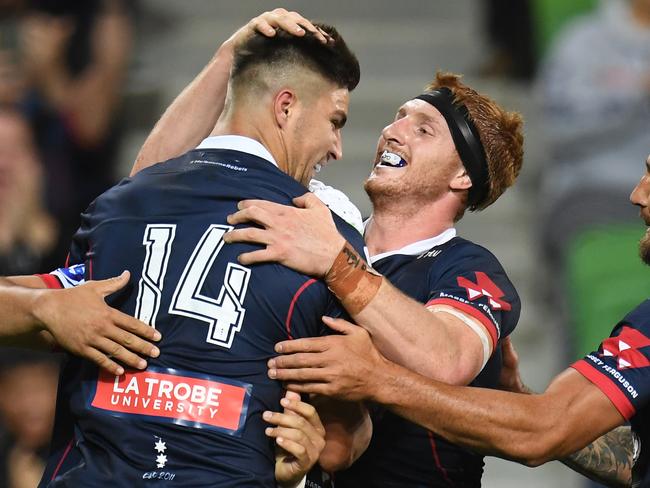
<point>300,438</point>
<point>269,23</point>
<point>510,379</point>
<point>83,324</point>
<point>303,238</point>
<point>345,366</point>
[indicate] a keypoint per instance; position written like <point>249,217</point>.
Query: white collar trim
<point>418,247</point>
<point>238,143</point>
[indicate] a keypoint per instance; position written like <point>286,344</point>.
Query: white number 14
<point>224,315</point>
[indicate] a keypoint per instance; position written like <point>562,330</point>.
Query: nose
<point>639,195</point>
<point>392,132</point>
<point>336,151</point>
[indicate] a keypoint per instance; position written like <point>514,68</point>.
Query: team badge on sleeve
<point>625,347</point>
<point>484,287</point>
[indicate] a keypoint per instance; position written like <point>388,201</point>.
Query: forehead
<point>422,111</point>
<point>335,99</point>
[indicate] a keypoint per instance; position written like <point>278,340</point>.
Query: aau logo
<point>626,347</point>
<point>484,287</point>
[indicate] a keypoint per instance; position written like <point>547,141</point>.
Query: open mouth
<point>318,167</point>
<point>391,160</point>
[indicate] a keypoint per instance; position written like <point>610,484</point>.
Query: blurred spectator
<point>28,232</point>
<point>510,30</point>
<point>28,382</point>
<point>595,90</point>
<point>65,62</point>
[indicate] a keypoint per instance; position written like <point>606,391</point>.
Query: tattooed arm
<point>608,459</point>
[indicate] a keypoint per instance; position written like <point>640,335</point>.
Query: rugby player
<point>287,104</point>
<point>448,150</point>
<point>598,393</point>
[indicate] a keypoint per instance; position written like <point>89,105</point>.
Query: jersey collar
<point>238,143</point>
<point>417,248</point>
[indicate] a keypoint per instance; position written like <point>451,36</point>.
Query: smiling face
<point>314,134</point>
<point>641,197</point>
<point>416,158</point>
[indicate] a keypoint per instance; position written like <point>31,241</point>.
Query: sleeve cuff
<point>50,281</point>
<point>472,312</point>
<point>607,386</point>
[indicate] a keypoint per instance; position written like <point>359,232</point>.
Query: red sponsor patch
<point>173,397</point>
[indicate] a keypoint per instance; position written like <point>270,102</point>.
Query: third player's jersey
<point>621,369</point>
<point>194,417</point>
<point>455,273</point>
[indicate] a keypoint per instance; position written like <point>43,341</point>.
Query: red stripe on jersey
<point>287,322</point>
<point>436,458</point>
<point>50,280</point>
<point>65,455</point>
<point>67,261</point>
<point>607,386</point>
<point>469,310</point>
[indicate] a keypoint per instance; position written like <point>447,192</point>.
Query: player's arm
<point>348,430</point>
<point>193,114</point>
<point>405,331</point>
<point>607,460</point>
<point>75,319</point>
<point>530,429</point>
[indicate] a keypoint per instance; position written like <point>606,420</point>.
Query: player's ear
<point>284,104</point>
<point>460,180</point>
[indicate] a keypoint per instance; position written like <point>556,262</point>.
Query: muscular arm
<point>531,429</point>
<point>192,115</point>
<point>409,334</point>
<point>608,459</point>
<point>405,331</point>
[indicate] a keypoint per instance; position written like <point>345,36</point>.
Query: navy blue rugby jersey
<point>620,368</point>
<point>468,278</point>
<point>194,417</point>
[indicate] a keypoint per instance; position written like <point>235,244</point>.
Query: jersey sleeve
<point>620,367</point>
<point>65,277</point>
<point>473,282</point>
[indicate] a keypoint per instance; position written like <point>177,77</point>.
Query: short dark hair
<point>333,61</point>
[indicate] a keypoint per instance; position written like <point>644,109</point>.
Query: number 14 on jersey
<point>223,314</point>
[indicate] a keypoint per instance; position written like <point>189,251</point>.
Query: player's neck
<point>392,230</point>
<point>257,131</point>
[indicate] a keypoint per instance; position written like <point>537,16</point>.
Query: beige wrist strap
<point>352,280</point>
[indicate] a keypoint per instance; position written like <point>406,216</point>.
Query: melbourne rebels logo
<point>626,347</point>
<point>484,287</point>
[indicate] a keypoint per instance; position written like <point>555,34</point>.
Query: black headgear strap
<point>466,139</point>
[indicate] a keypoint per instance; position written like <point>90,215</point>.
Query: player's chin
<point>644,248</point>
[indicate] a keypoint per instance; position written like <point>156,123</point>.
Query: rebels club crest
<point>626,347</point>
<point>484,287</point>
